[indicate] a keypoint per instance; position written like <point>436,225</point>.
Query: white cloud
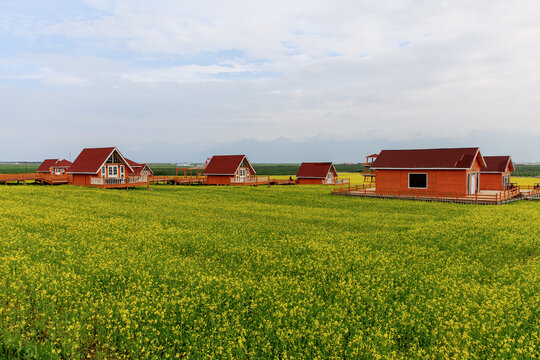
<point>157,70</point>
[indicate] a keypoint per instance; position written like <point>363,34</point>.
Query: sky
<point>279,81</point>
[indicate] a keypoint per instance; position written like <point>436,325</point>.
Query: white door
<point>113,171</point>
<point>329,178</point>
<point>472,190</point>
<point>242,175</point>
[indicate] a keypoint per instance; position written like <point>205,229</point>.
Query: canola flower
<point>281,272</point>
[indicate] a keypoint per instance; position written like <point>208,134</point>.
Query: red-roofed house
<point>54,167</point>
<point>450,172</point>
<point>141,169</point>
<point>316,173</point>
<point>496,175</point>
<point>230,169</point>
<point>105,167</point>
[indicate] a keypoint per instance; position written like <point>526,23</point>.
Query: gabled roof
<point>90,160</point>
<point>226,164</point>
<point>315,170</point>
<point>443,159</point>
<point>46,165</point>
<point>498,164</point>
<point>138,167</point>
<point>63,163</point>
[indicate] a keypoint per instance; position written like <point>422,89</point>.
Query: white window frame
<point>409,180</point>
<point>112,171</point>
<point>122,170</point>
<point>103,171</point>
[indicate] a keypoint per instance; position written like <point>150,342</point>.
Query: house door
<point>113,171</point>
<point>242,173</point>
<point>329,178</point>
<point>472,189</point>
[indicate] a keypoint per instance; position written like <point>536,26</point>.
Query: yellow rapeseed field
<point>258,272</point>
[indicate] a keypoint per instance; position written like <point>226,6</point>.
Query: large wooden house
<point>449,172</point>
<point>496,175</point>
<point>105,167</point>
<point>54,167</point>
<point>229,169</point>
<point>316,173</point>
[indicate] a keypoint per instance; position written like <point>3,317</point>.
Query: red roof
<point>450,158</point>
<point>138,167</point>
<point>315,170</point>
<point>63,163</point>
<point>90,160</point>
<point>498,164</point>
<point>47,164</point>
<point>225,164</point>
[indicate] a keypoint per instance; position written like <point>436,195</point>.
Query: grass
<point>280,272</point>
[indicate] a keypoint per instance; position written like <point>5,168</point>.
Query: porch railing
<point>136,179</point>
<point>252,180</point>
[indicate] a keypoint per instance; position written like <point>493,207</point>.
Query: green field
<point>258,272</point>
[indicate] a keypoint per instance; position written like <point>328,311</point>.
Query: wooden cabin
<point>311,173</point>
<point>105,167</point>
<point>54,167</point>
<point>228,169</point>
<point>496,175</point>
<point>449,172</point>
<point>140,169</point>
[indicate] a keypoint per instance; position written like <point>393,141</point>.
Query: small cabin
<point>140,169</point>
<point>105,167</point>
<point>54,167</point>
<point>228,169</point>
<point>496,175</point>
<point>311,173</point>
<point>428,172</point>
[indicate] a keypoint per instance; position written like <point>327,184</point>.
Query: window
<point>113,159</point>
<point>122,170</point>
<point>103,171</point>
<point>417,181</point>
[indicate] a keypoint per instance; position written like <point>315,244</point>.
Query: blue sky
<point>179,80</point>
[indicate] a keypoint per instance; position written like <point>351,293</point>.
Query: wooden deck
<point>530,192</point>
<point>177,180</point>
<point>43,178</point>
<point>251,181</point>
<point>127,182</point>
<point>484,197</point>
